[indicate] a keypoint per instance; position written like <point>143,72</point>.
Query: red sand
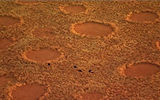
<point>27,1</point>
<point>8,20</point>
<point>93,29</point>
<point>4,43</point>
<point>142,70</point>
<point>3,81</point>
<point>28,92</point>
<point>143,17</point>
<point>129,43</point>
<point>42,55</point>
<point>90,96</point>
<point>73,9</point>
<point>2,29</point>
<point>43,32</point>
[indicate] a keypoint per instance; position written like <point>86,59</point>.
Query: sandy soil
<point>79,50</point>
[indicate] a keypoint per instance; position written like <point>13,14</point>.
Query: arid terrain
<point>79,50</point>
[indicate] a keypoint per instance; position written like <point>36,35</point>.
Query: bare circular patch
<point>28,92</point>
<point>73,9</point>
<point>43,32</point>
<point>143,69</point>
<point>8,20</point>
<point>3,81</point>
<point>93,29</point>
<point>90,96</point>
<point>42,55</point>
<point>2,29</point>
<point>142,17</point>
<point>27,1</point>
<point>4,43</point>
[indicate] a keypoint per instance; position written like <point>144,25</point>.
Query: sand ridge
<point>158,44</point>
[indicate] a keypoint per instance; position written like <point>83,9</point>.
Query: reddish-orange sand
<point>89,68</point>
<point>28,92</point>
<point>143,17</point>
<point>3,81</point>
<point>4,43</point>
<point>2,29</point>
<point>27,1</point>
<point>42,55</point>
<point>73,9</point>
<point>90,96</point>
<point>8,20</point>
<point>142,70</point>
<point>93,29</point>
<point>43,32</point>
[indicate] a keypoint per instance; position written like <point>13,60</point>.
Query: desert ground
<point>79,50</point>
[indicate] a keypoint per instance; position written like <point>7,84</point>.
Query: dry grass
<point>131,43</point>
